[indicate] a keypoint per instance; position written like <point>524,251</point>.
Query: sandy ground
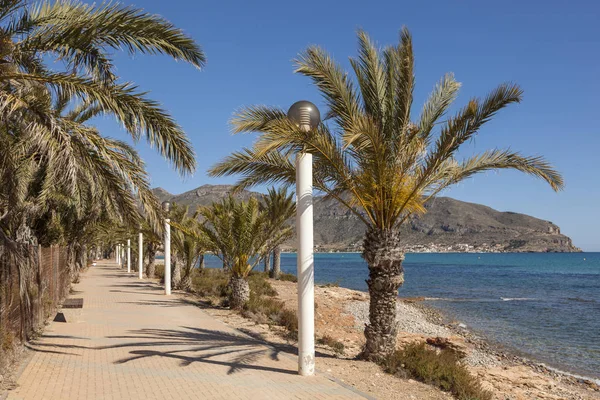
<point>341,313</point>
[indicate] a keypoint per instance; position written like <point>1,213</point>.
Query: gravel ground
<point>413,320</point>
<point>410,319</point>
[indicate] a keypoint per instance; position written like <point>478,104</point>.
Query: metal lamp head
<point>304,113</point>
<point>166,206</point>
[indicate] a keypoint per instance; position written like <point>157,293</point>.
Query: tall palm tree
<point>47,145</point>
<point>279,207</point>
<point>374,158</point>
<point>235,231</point>
<point>81,36</point>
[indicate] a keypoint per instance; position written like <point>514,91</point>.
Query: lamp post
<point>166,208</point>
<point>306,115</point>
<point>117,254</point>
<point>128,256</point>
<point>140,253</point>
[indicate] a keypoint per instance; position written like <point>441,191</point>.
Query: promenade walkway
<point>132,342</point>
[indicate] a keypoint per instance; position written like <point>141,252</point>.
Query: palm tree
<point>235,231</point>
<point>279,207</point>
<point>374,158</point>
<point>48,147</point>
<point>81,36</point>
<point>189,244</point>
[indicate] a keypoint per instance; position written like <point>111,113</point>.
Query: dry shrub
<point>438,368</point>
<point>289,320</point>
<point>210,282</point>
<point>335,345</point>
<point>288,277</point>
<point>159,272</point>
<point>259,284</point>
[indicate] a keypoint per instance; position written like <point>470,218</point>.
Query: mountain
<point>448,225</point>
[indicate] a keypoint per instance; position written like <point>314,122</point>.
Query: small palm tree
<point>279,207</point>
<point>189,244</point>
<point>375,159</point>
<point>236,232</point>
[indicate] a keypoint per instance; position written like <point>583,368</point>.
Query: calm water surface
<point>546,306</point>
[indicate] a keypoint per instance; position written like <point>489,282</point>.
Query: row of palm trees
<point>61,181</point>
<point>240,233</point>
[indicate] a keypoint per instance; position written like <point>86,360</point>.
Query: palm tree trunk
<point>276,271</point>
<point>267,261</point>
<point>151,267</point>
<point>201,264</point>
<point>384,255</point>
<point>240,292</point>
<point>186,281</point>
<point>176,273</point>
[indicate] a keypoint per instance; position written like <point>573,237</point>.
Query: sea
<point>544,306</point>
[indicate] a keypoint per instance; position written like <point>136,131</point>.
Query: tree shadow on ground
<point>138,286</point>
<point>192,345</point>
<point>128,291</point>
<point>159,303</point>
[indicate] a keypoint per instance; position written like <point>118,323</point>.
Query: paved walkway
<point>132,342</point>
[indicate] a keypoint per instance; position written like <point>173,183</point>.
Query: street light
<point>140,252</point>
<point>128,256</point>
<point>306,115</point>
<point>166,206</point>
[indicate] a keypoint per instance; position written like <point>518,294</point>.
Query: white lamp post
<point>128,256</point>
<point>117,254</point>
<point>307,116</point>
<point>166,208</point>
<point>140,253</point>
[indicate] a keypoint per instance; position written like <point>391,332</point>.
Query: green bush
<point>438,368</point>
<point>335,345</point>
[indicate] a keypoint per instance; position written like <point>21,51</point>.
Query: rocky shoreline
<point>341,313</point>
<point>498,352</point>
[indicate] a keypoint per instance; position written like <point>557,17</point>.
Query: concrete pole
<point>141,255</point>
<point>167,257</point>
<point>306,276</point>
<point>128,256</point>
<point>117,253</point>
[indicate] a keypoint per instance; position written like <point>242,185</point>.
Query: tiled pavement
<point>132,342</point>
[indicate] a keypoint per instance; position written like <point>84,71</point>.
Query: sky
<point>550,48</point>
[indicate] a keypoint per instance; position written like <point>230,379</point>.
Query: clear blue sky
<point>551,48</point>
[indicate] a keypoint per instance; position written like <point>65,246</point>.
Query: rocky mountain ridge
<point>449,225</point>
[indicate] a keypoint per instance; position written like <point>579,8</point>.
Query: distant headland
<point>449,226</point>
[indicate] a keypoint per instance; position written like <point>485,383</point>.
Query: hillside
<point>448,225</point>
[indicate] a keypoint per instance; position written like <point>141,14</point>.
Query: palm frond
<point>138,114</point>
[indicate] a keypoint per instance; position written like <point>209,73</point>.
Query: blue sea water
<point>543,305</point>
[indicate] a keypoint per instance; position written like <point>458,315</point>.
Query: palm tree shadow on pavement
<point>201,345</point>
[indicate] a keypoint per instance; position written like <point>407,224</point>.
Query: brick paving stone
<point>132,342</point>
